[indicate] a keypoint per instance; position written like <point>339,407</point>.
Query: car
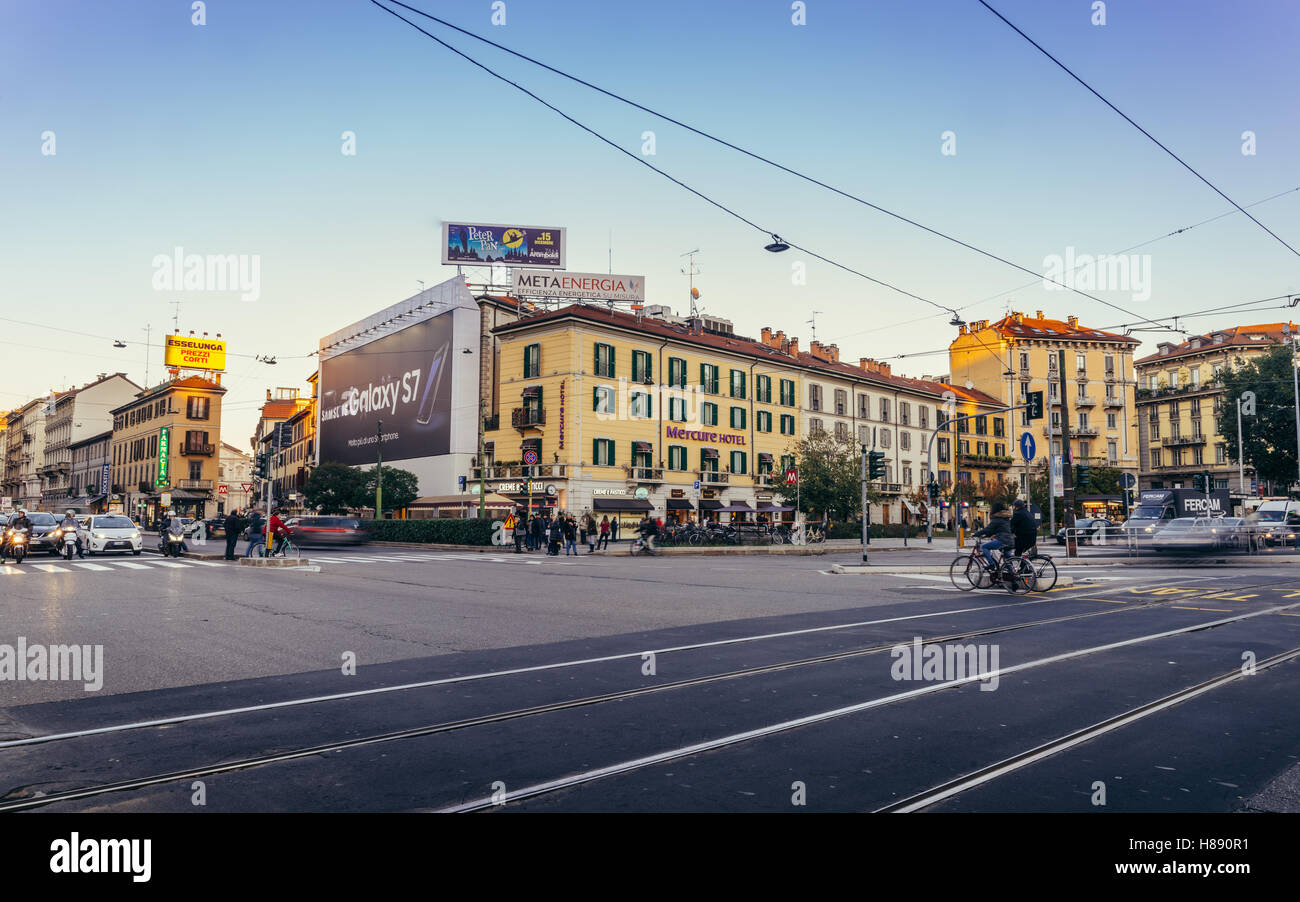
<point>1094,530</point>
<point>111,532</point>
<point>326,531</point>
<point>1274,525</point>
<point>1197,534</point>
<point>44,527</point>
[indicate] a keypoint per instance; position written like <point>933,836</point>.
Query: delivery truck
<point>1156,507</point>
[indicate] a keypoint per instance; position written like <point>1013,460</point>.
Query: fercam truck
<point>1156,507</point>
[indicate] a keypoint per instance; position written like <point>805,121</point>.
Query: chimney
<point>885,368</point>
<point>794,347</point>
<point>1040,315</point>
<point>767,337</point>
<point>779,338</point>
<point>1017,317</point>
<point>834,352</point>
<point>961,330</point>
<point>815,348</point>
<point>1073,321</point>
<point>268,394</point>
<point>864,364</point>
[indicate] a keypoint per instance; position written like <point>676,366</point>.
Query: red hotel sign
<point>697,435</point>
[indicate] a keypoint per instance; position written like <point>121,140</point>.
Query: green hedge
<point>853,530</point>
<point>442,531</point>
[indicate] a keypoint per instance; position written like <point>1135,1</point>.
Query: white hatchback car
<point>112,532</point>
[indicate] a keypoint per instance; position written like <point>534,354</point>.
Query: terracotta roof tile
<point>1234,336</point>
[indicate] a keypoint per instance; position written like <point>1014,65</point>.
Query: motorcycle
<point>169,543</point>
<point>68,543</point>
<point>18,544</point>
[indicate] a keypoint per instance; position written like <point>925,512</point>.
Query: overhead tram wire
<point>703,134</point>
<point>656,169</point>
<point>1127,119</point>
<point>1133,247</point>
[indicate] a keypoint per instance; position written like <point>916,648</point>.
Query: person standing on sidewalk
<point>234,525</point>
<point>604,533</point>
<point>570,536</point>
<point>519,528</point>
<point>255,533</point>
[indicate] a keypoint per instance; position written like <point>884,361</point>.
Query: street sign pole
<point>379,470</point>
<point>1067,515</point>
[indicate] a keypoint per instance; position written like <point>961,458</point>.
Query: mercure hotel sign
<point>700,435</point>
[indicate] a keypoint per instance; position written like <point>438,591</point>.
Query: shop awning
<point>183,495</point>
<point>621,504</point>
<point>710,504</point>
<point>532,391</point>
<point>642,448</point>
<point>680,504</point>
<point>764,457</point>
<point>531,444</point>
<point>736,507</point>
<point>768,507</point>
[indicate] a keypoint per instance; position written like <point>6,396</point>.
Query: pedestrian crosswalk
<point>35,566</point>
<point>434,557</point>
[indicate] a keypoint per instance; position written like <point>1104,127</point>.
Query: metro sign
<point>791,476</point>
<point>223,489</point>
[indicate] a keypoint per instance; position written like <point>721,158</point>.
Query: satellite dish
<point>970,384</point>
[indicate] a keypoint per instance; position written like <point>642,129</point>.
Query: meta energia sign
<point>590,286</point>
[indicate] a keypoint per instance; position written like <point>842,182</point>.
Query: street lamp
<point>1295,382</point>
<point>777,245</point>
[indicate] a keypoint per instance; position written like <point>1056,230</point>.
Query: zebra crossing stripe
<point>87,565</point>
<point>15,570</point>
<point>204,563</point>
<point>52,568</point>
<point>130,565</point>
<point>169,564</point>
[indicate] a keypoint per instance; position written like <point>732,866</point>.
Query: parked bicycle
<point>971,571</point>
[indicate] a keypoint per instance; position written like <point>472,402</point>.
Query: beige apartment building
<point>1179,397</point>
<point>1017,354</point>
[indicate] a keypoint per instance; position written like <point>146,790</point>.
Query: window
<point>904,413</point>
<point>884,410</point>
<point>642,371</point>
<point>1052,390</point>
<point>814,397</point>
<point>1110,421</point>
<point>764,463</point>
<point>787,392</point>
<point>677,410</point>
<point>1112,452</point>
<point>677,457</point>
<point>940,421</point>
<point>763,421</point>
<point>1220,453</point>
<point>864,435</point>
<point>196,469</point>
<point>1024,360</point>
<point>982,449</point>
<point>841,402</point>
<point>709,414</point>
<point>1081,362</point>
<point>709,460</point>
<point>787,462</point>
<point>738,462</point>
<point>708,379</point>
<point>737,383</point>
<point>883,436</point>
<point>905,440</point>
<point>814,425</point>
<point>737,418</point>
<point>923,417</point>
<point>196,408</point>
<point>1153,382</point>
<point>1154,428</point>
<point>763,389</point>
<point>1196,455</point>
<point>602,452</point>
<point>864,407</point>
<point>603,399</point>
<point>1084,450</point>
<point>605,360</point>
<point>532,361</point>
<point>1083,420</point>
<point>1196,378</point>
<point>1110,390</point>
<point>1000,449</point>
<point>963,425</point>
<point>1110,365</point>
<point>907,476</point>
<point>841,430</point>
<point>676,372</point>
<point>787,424</point>
<point>982,425</point>
<point>1082,392</point>
<point>639,405</point>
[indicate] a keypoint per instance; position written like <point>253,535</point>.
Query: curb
<point>622,549</point>
<point>274,562</point>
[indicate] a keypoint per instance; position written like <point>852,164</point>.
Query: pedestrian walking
<point>535,537</point>
<point>555,535</point>
<point>255,533</point>
<point>591,533</point>
<point>604,533</point>
<point>570,536</point>
<point>234,525</point>
<point>582,530</point>
<point>518,529</point>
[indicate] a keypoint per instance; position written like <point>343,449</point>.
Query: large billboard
<point>476,244</point>
<point>403,380</point>
<point>195,353</point>
<point>594,286</point>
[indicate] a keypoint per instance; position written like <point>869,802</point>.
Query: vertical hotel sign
<point>164,452</point>
<point>562,414</point>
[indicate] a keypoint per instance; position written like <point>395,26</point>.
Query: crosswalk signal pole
<point>866,538</point>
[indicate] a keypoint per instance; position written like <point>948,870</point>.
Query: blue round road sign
<point>1027,446</point>
<point>530,457</point>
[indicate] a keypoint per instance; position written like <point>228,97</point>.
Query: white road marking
<point>131,565</point>
<point>169,564</point>
<point>87,565</point>
<point>52,568</point>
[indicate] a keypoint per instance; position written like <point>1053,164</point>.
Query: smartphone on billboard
<point>431,386</point>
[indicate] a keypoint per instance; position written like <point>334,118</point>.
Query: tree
<point>830,477</point>
<point>999,490</point>
<point>401,487</point>
<point>334,488</point>
<point>1269,434</point>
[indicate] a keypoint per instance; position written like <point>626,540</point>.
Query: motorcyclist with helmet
<point>69,521</point>
<point>19,521</point>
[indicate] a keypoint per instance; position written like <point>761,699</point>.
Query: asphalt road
<point>618,684</point>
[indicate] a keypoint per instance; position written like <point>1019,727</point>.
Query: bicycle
<point>1044,570</point>
<point>641,546</point>
<point>281,549</point>
<point>1015,574</point>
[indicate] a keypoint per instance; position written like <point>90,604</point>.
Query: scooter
<point>69,546</point>
<point>18,544</point>
<point>169,543</point>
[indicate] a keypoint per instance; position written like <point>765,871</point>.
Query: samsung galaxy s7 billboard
<point>403,380</point>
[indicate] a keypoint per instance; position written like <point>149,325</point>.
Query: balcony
<point>1112,402</point>
<point>1083,430</point>
<point>527,417</point>
<point>1085,401</point>
<point>710,477</point>
<point>1024,373</point>
<point>889,488</point>
<point>988,460</point>
<point>644,474</point>
<point>196,450</point>
<point>762,480</point>
<point>1176,441</point>
<point>516,471</point>
<point>204,485</point>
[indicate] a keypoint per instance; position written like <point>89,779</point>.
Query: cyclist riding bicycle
<point>281,533</point>
<point>999,531</point>
<point>1023,527</point>
<point>648,529</point>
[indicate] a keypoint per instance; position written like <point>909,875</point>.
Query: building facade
<point>77,414</point>
<point>90,487</point>
<point>235,475</point>
<point>165,442</point>
<point>1019,354</point>
<point>1179,397</point>
<point>292,464</point>
<point>627,414</point>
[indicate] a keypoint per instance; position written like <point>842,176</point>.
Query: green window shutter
<point>595,398</point>
<point>595,451</point>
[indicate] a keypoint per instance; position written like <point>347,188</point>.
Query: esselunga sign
<point>594,286</point>
<point>194,353</point>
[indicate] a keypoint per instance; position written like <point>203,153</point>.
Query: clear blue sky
<point>225,139</point>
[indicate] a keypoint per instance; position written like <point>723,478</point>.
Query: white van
<point>1278,520</point>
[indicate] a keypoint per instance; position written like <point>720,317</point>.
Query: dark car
<point>1094,530</point>
<point>44,527</point>
<point>326,531</point>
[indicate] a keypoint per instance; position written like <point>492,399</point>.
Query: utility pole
<point>1071,541</point>
<point>1241,457</point>
<point>482,426</point>
<point>379,471</point>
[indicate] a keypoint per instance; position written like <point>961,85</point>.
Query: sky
<point>227,138</point>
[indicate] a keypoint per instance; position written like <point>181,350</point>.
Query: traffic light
<point>876,465</point>
<point>934,490</point>
<point>1081,476</point>
<point>1198,482</point>
<point>1035,409</point>
<point>262,470</point>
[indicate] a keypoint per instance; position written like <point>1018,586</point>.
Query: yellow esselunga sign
<point>195,353</point>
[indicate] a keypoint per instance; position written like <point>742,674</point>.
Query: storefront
<point>460,506</point>
<point>622,508</point>
<point>1110,507</point>
<point>679,510</point>
<point>775,513</point>
<point>736,512</point>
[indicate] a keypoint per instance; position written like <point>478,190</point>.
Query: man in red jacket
<point>277,528</point>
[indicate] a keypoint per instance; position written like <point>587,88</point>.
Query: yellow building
<point>1018,354</point>
<point>626,413</point>
<point>165,441</point>
<point>292,463</point>
<point>1179,397</point>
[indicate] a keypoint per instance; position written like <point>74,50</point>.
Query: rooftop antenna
<point>176,316</point>
<point>691,272</point>
<point>611,252</point>
<point>813,322</point>
<point>148,332</point>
